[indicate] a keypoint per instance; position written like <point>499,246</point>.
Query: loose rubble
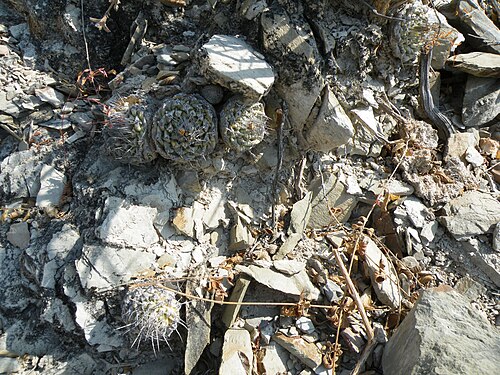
<point>249,187</point>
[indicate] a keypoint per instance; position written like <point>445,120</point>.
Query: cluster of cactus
<point>127,135</point>
<point>242,124</point>
<point>152,313</point>
<point>183,129</point>
<point>409,37</point>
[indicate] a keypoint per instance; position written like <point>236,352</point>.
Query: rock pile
<point>281,177</point>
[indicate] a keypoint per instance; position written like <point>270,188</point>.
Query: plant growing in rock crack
<point>409,37</point>
<point>185,128</point>
<point>242,124</point>
<point>151,313</point>
<point>127,136</point>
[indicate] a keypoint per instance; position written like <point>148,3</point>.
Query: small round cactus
<point>409,37</point>
<point>152,313</point>
<point>185,128</point>
<point>127,136</point>
<point>242,125</point>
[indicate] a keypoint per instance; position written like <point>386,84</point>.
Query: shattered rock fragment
<point>419,345</point>
<point>481,101</point>
<point>104,267</point>
<point>297,285</point>
<point>471,214</point>
<point>331,203</point>
<point>237,354</point>
<point>332,127</point>
<point>382,274</point>
<point>479,64</point>
<point>19,235</point>
<point>306,352</point>
<point>232,63</point>
<point>128,225</point>
<point>52,184</point>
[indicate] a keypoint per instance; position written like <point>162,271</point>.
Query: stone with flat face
<point>232,63</point>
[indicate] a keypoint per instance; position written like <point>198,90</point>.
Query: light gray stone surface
<point>19,235</point>
<point>471,214</point>
<point>237,354</point>
<point>296,285</point>
<point>104,267</point>
<point>232,63</point>
<point>20,174</point>
<point>128,225</point>
<point>443,334</point>
<point>384,280</point>
<point>479,64</point>
<point>52,184</point>
<point>332,127</point>
<point>305,351</point>
<point>51,96</point>
<point>274,359</point>
<point>481,101</point>
<point>330,194</point>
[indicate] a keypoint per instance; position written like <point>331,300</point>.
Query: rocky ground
<point>236,187</point>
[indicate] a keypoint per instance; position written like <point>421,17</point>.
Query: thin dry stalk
<point>355,296</point>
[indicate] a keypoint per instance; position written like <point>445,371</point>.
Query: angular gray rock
<point>443,334</point>
<point>19,235</point>
<point>484,33</point>
<point>296,285</point>
<point>305,351</point>
<point>104,267</point>
<point>481,101</point>
<point>128,225</point>
<point>52,184</point>
<point>331,203</point>
<point>332,127</point>
<point>232,63</point>
<point>471,214</point>
<point>237,354</point>
<point>479,64</point>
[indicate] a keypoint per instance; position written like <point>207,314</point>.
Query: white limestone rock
<point>128,225</point>
<point>232,63</point>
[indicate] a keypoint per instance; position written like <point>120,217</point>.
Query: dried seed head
<point>185,128</point>
<point>151,313</point>
<point>127,137</point>
<point>242,125</point>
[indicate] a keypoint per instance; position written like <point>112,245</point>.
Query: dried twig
<point>355,296</point>
<point>100,23</point>
<point>279,124</point>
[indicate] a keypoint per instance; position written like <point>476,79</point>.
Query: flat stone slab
<point>128,225</point>
<point>104,267</point>
<point>232,63</point>
<point>481,101</point>
<point>237,354</point>
<point>443,334</point>
<point>473,213</point>
<point>52,184</point>
<point>295,285</point>
<point>479,64</point>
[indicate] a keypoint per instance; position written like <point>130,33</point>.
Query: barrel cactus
<point>127,134</point>
<point>409,37</point>
<point>152,313</point>
<point>185,128</point>
<point>242,124</point>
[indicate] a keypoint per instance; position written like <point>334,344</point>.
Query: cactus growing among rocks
<point>242,125</point>
<point>152,313</point>
<point>185,128</point>
<point>127,137</point>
